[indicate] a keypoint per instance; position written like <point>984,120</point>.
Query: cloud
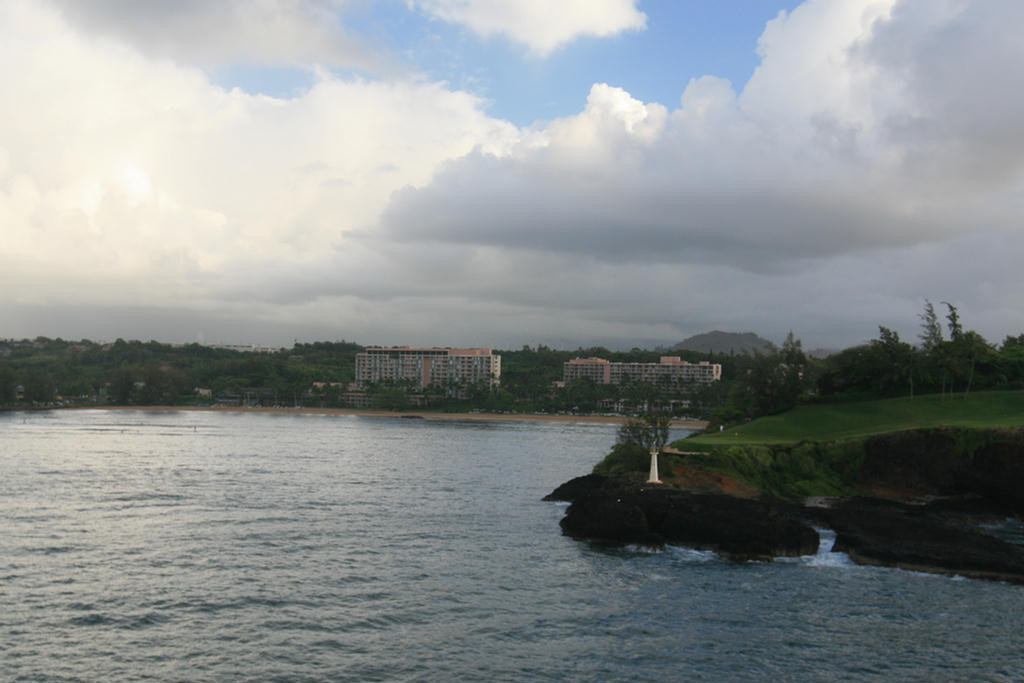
<point>808,161</point>
<point>854,151</point>
<point>126,178</point>
<point>541,26</point>
<point>873,160</point>
<point>952,70</point>
<point>267,32</point>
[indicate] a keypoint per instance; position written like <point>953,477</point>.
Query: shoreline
<point>426,415</point>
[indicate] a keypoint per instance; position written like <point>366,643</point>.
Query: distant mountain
<point>725,342</point>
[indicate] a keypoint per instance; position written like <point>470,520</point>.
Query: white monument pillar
<point>653,479</point>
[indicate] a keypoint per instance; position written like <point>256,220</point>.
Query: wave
<point>825,557</point>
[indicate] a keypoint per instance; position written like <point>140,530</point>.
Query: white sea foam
<point>825,557</point>
<point>691,555</point>
<point>642,549</point>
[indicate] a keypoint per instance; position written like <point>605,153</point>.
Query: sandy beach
<point>426,415</point>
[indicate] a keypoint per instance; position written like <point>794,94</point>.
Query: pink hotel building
<point>671,369</point>
<point>426,367</point>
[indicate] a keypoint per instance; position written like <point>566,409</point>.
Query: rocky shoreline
<point>944,535</point>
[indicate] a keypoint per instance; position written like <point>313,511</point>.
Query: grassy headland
<point>989,409</point>
<point>912,446</point>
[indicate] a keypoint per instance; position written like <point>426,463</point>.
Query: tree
<point>792,367</point>
<point>583,394</point>
<point>953,321</point>
<point>39,387</point>
<point>707,398</point>
<point>390,397</point>
<point>1011,361</point>
<point>7,385</point>
<point>650,431</point>
<point>121,386</point>
<point>1011,342</point>
<point>773,382</point>
<point>650,434</point>
<point>155,388</point>
<point>641,394</point>
<point>931,332</point>
<point>932,343</point>
<point>970,349</point>
<point>896,362</point>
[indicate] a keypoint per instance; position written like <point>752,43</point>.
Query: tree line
<point>43,372</point>
<point>948,360</point>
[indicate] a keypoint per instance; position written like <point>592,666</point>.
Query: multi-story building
<point>596,369</point>
<point>449,368</point>
<point>671,370</point>
<point>674,370</point>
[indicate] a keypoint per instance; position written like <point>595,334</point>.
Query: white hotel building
<point>671,370</point>
<point>428,367</point>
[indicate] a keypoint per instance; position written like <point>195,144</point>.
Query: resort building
<point>597,369</point>
<point>671,370</point>
<point>428,367</point>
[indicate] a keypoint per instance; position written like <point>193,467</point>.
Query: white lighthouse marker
<point>653,479</point>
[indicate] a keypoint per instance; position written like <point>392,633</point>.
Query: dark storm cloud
<point>498,203</point>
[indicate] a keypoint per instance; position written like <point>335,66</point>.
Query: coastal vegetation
<point>794,428</point>
<point>842,449</point>
<point>912,484</point>
<point>638,441</point>
<point>45,372</point>
<point>895,448</point>
<point>950,363</point>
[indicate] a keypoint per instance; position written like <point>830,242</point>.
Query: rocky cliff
<point>923,498</point>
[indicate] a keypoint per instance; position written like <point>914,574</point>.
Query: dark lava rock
<point>921,538</point>
<point>737,528</point>
<point>604,516</point>
<point>931,461</point>
<point>997,471</point>
<point>574,488</point>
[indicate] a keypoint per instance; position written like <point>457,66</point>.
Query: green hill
<point>725,342</point>
<point>991,409</point>
<point>929,445</point>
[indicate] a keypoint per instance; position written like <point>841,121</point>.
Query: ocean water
<point>191,546</point>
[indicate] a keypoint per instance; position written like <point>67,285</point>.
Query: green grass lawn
<point>848,420</point>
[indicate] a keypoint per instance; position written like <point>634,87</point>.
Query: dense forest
<point>46,372</point>
<point>948,359</point>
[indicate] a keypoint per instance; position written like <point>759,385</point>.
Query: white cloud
<point>850,144</point>
<point>808,160</point>
<point>540,25</point>
<point>119,169</point>
<point>950,86</point>
<point>214,32</point>
<point>873,160</point>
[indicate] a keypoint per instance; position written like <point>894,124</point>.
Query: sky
<point>508,172</point>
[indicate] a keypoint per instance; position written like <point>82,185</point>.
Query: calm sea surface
<point>190,546</point>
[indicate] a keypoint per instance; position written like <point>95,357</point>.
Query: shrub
<point>625,459</point>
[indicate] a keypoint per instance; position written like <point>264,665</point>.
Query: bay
<point>203,546</point>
